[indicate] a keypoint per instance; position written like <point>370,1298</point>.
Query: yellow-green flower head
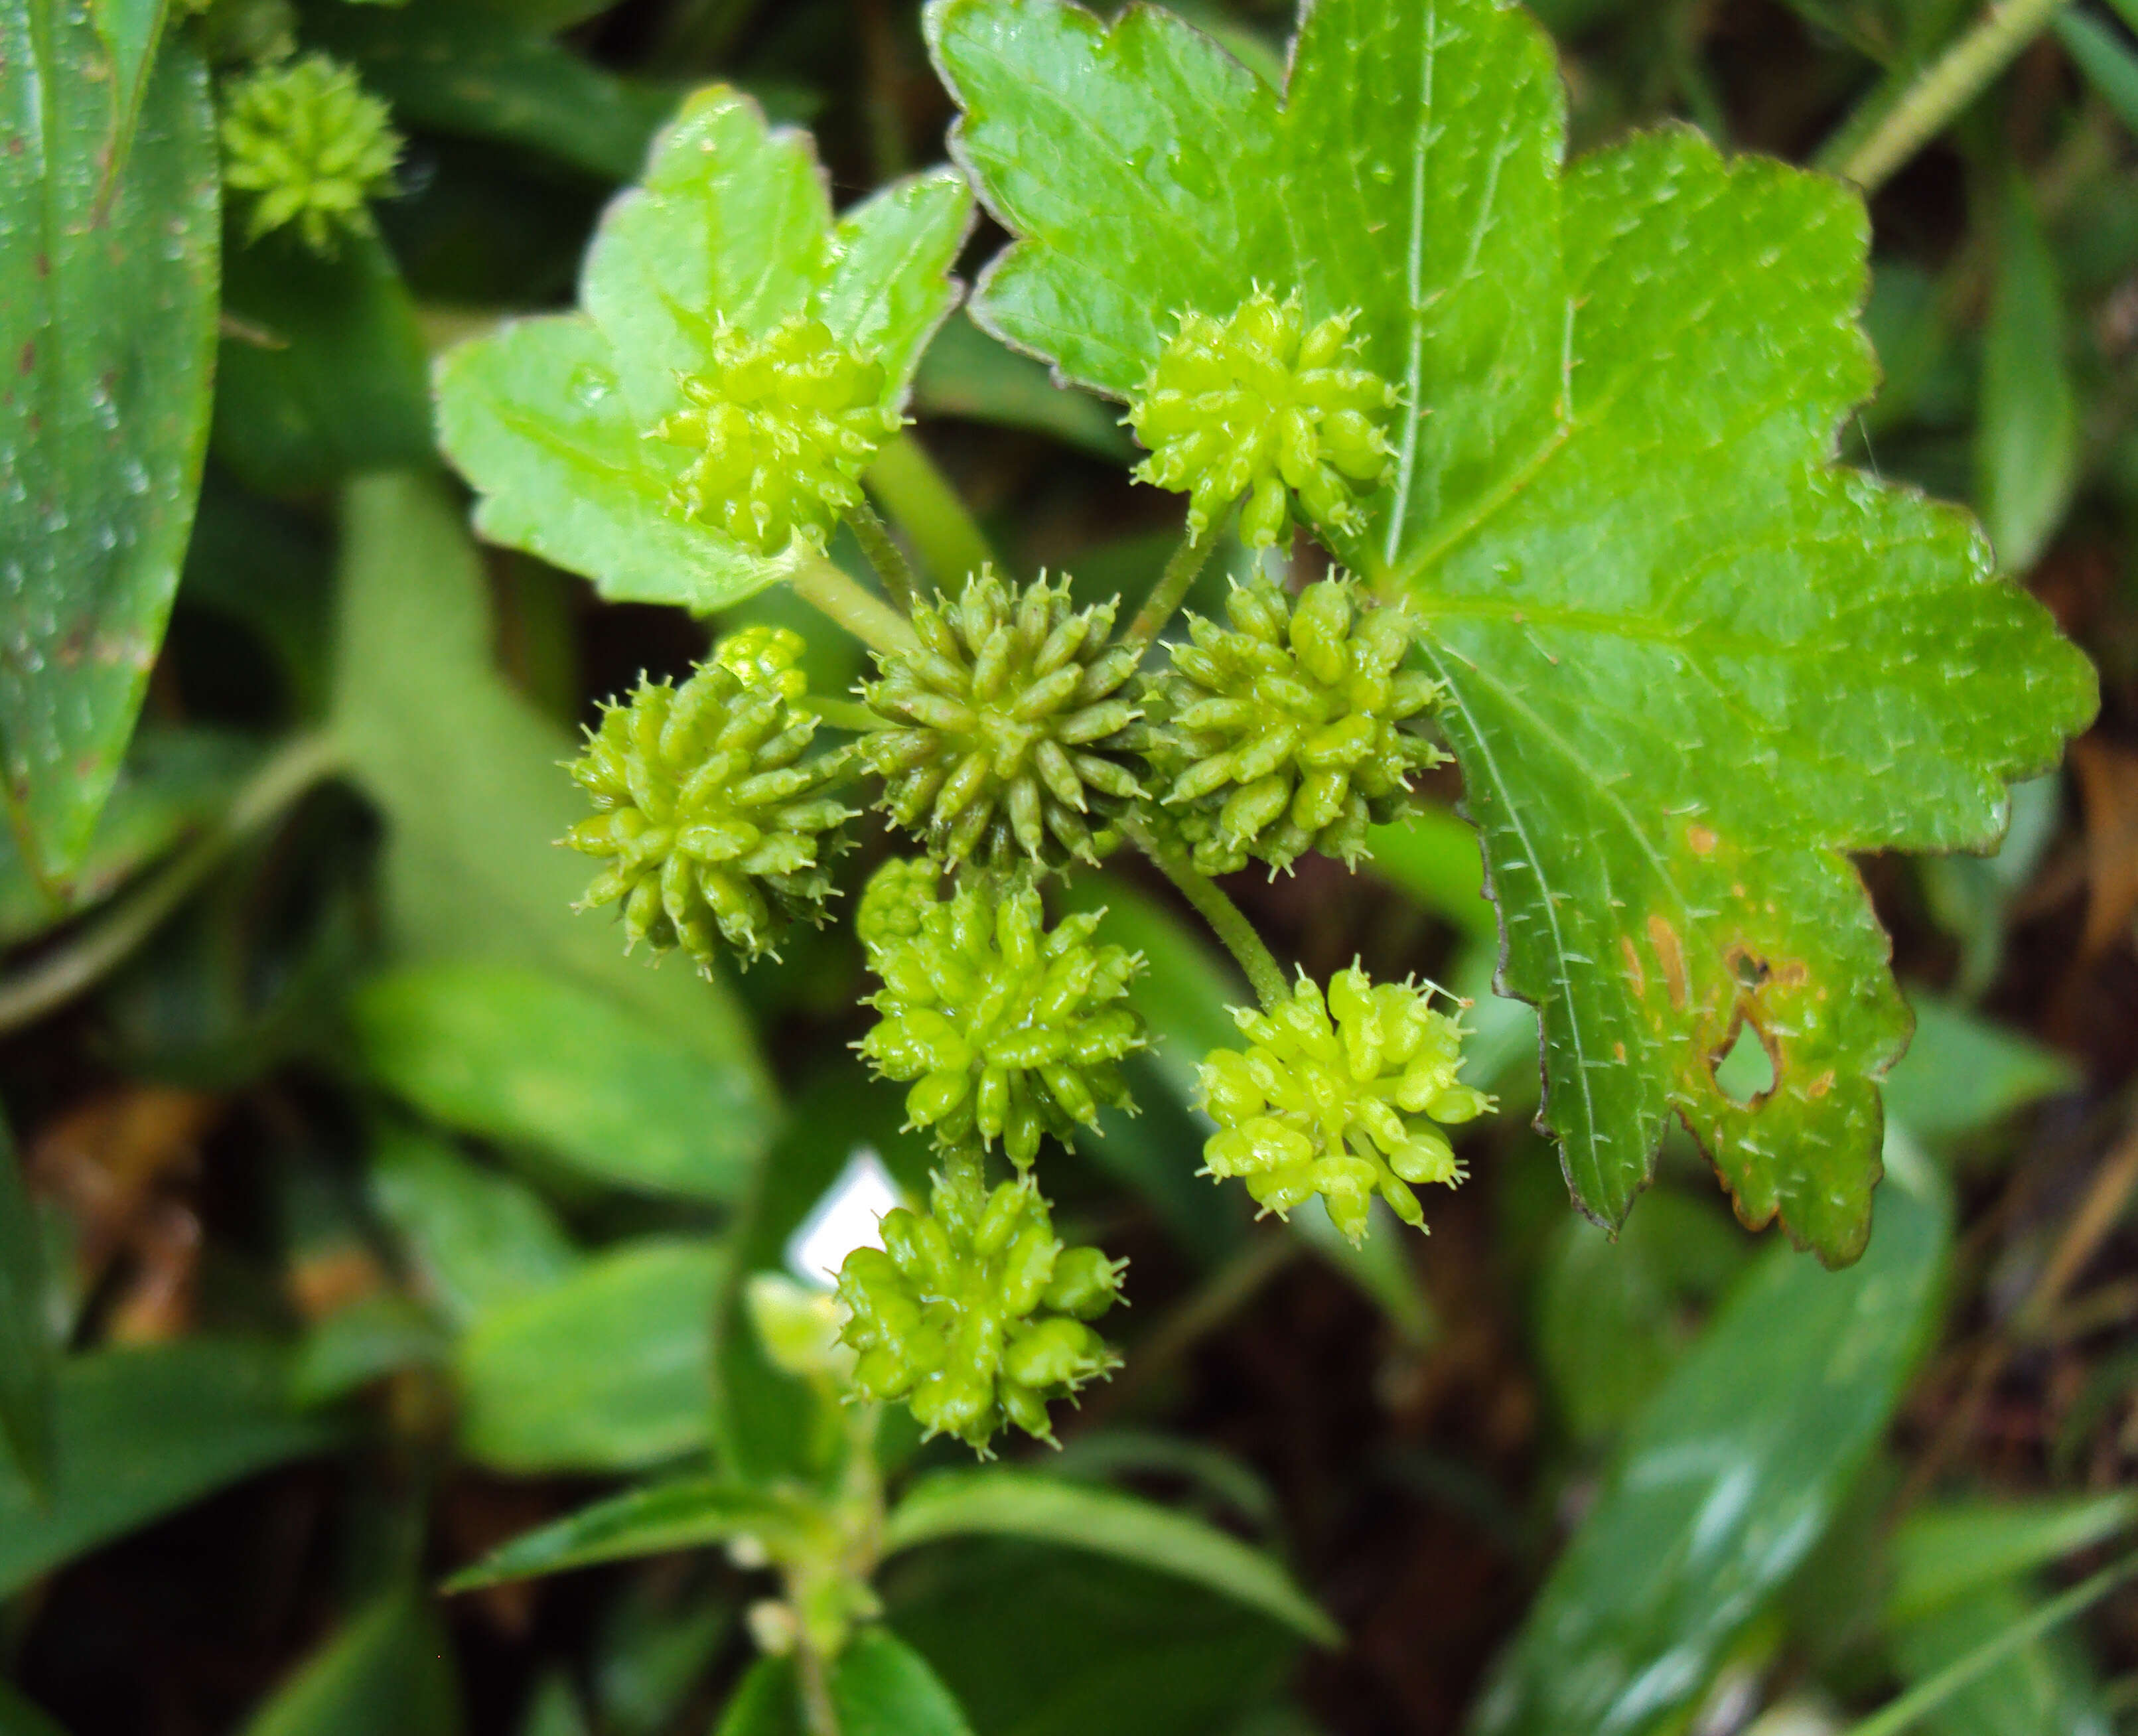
<point>974,1314</point>
<point>311,145</point>
<point>1339,1099</point>
<point>778,428</point>
<point>1258,405</point>
<point>1006,720</point>
<point>898,896</point>
<point>710,817</point>
<point>1290,730</point>
<point>1005,1029</point>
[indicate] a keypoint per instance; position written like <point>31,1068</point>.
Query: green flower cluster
<point>1286,732</point>
<point>1332,1098</point>
<point>1006,720</point>
<point>974,1314</point>
<point>778,428</point>
<point>1257,405</point>
<point>311,145</point>
<point>709,813</point>
<point>1007,1030</point>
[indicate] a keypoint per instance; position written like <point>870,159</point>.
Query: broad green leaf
<point>1962,1073</point>
<point>605,1372</point>
<point>966,373</point>
<point>1043,1509</point>
<point>1689,662</point>
<point>2026,452</point>
<point>2047,1685</point>
<point>1727,1480</point>
<point>173,780</point>
<point>26,1334</point>
<point>1943,1554</point>
<point>389,1670</point>
<point>321,373</point>
<point>474,1239</point>
<point>517,1055</point>
<point>472,870</point>
<point>138,1434</point>
<point>131,30</point>
<point>109,329</point>
<point>654,1521</point>
<point>1044,1642</point>
<point>483,72</point>
<point>880,1686</point>
<point>548,417</point>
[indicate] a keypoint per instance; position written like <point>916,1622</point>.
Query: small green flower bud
<point>709,814</point>
<point>1005,1029</point>
<point>1333,1098</point>
<point>1258,405</point>
<point>1290,730</point>
<point>958,1315</point>
<point>778,429</point>
<point>1007,725</point>
<point>311,145</point>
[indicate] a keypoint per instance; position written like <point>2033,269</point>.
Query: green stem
<point>923,504</point>
<point>819,1716</point>
<point>84,961</point>
<point>862,613</point>
<point>848,715</point>
<point>883,552</point>
<point>1226,920</point>
<point>1926,1696</point>
<point>1868,152</point>
<point>1181,571</point>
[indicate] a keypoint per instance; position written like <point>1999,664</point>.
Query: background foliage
<point>368,1210</point>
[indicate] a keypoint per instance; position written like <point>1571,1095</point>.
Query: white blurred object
<point>844,1219</point>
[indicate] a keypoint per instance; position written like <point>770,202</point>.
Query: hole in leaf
<point>1745,1075</point>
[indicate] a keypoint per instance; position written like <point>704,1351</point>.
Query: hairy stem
<point>1226,920</point>
<point>923,504</point>
<point>85,960</point>
<point>1867,151</point>
<point>1181,571</point>
<point>862,613</point>
<point>883,552</point>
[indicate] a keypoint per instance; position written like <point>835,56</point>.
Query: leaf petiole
<point>1226,920</point>
<point>1182,569</point>
<point>923,504</point>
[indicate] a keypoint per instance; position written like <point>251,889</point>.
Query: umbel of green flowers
<point>1290,730</point>
<point>1005,1029</point>
<point>1259,405</point>
<point>311,145</point>
<point>974,1313</point>
<point>778,429</point>
<point>1338,1099</point>
<point>1006,718</point>
<point>710,817</point>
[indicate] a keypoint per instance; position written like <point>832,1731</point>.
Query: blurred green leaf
<point>27,1357</point>
<point>2027,439</point>
<point>173,780</point>
<point>2107,60</point>
<point>518,1056</point>
<point>388,1671</point>
<point>108,324</point>
<point>653,1521</point>
<point>967,373</point>
<point>476,1239</point>
<point>1612,1312</point>
<point>1434,855</point>
<point>1043,1641</point>
<point>18,1717</point>
<point>131,30</point>
<point>484,71</point>
<point>1004,1502</point>
<point>371,1337</point>
<point>1944,1553</point>
<point>606,1372</point>
<point>1962,1073</point>
<point>322,373</point>
<point>880,1686</point>
<point>140,1433</point>
<point>1727,1480</point>
<point>472,869</point>
<point>2044,1686</point>
<point>552,1709</point>
<point>658,1637</point>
